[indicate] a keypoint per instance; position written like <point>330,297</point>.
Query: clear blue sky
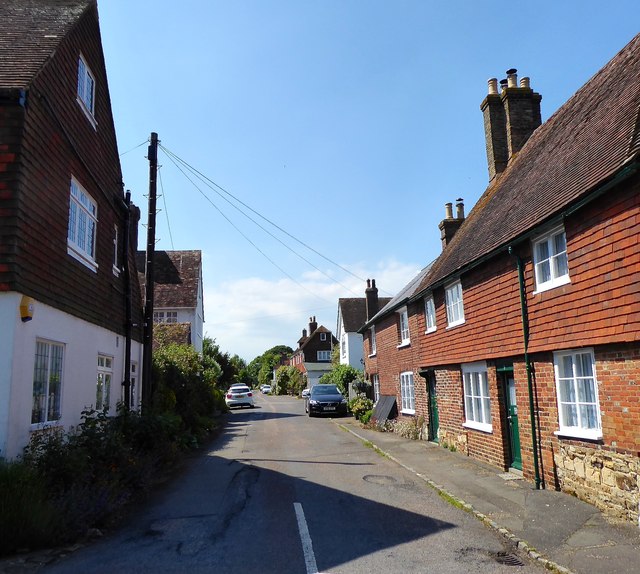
<point>347,123</point>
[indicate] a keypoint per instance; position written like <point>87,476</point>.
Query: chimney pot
<point>512,78</point>
<point>525,82</point>
<point>459,208</point>
<point>493,85</point>
<point>371,299</point>
<point>503,84</point>
<point>448,211</point>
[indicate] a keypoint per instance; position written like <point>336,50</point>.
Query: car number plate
<point>240,396</point>
<point>329,408</point>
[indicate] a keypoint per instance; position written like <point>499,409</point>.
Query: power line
<point>207,182</point>
<point>245,236</point>
<point>201,175</point>
<point>164,202</point>
<point>134,148</point>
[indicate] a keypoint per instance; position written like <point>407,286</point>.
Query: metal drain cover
<point>507,558</point>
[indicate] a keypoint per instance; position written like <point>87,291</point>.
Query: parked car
<point>305,393</point>
<point>239,396</point>
<point>266,389</point>
<point>325,399</point>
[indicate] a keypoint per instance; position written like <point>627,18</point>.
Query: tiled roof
<point>30,31</point>
<point>354,313</point>
<point>177,274</point>
<point>585,143</point>
<point>401,298</point>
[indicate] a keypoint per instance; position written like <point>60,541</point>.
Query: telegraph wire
<point>206,181</point>
<point>204,177</point>
<point>245,236</point>
<point>135,148</point>
<point>164,202</point>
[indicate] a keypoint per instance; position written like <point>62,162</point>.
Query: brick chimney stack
<point>449,225</point>
<point>312,325</point>
<point>510,117</point>
<point>371,302</point>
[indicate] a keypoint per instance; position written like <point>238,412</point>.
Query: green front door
<point>512,418</point>
<point>433,407</point>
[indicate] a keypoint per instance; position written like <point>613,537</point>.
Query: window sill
<point>549,285</point>
<point>116,271</point>
<point>452,325</point>
<point>408,412</point>
<point>82,259</point>
<point>482,427</point>
<point>87,113</point>
<point>430,331</point>
<point>404,344</point>
<point>371,355</point>
<point>579,434</point>
<point>35,427</point>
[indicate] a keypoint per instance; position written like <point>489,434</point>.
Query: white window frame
<point>323,336</point>
<point>116,252</point>
<point>324,356</point>
<point>403,326</point>
<point>407,393</point>
<point>374,348</point>
<point>454,303</point>
<point>551,270</point>
<point>82,231</point>
<point>375,381</point>
<point>165,316</point>
<point>343,346</point>
<point>133,381</point>
<point>104,382</point>
<point>47,392</point>
<point>578,392</point>
<point>477,397</point>
<point>430,314</point>
<point>86,93</point>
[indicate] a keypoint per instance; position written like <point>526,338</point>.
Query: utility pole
<point>147,356</point>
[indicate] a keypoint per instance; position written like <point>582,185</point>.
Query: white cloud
<point>250,315</point>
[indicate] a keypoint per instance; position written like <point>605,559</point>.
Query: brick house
<point>178,309</point>
<point>525,330</point>
<point>312,357</point>
<point>68,309</point>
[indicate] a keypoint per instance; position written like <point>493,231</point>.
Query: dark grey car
<point>325,399</point>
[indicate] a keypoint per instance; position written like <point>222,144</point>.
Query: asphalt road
<point>278,492</point>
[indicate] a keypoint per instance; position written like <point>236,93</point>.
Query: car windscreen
<point>325,390</point>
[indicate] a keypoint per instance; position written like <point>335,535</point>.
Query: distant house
<point>522,339</point>
<point>352,315</point>
<point>178,301</point>
<point>65,270</point>
<point>312,357</point>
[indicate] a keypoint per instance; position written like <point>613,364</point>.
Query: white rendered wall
<point>82,342</point>
<point>355,354</point>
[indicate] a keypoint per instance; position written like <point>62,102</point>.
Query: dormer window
<point>86,90</point>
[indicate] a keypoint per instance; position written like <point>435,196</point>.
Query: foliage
<point>27,516</point>
<point>227,366</point>
<point>365,417</point>
<point>412,428</point>
<point>261,374</point>
<point>182,389</point>
<point>335,355</point>
<point>360,405</point>
<point>288,381</point>
<point>342,376</point>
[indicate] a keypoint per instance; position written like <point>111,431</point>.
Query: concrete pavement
<point>560,531</point>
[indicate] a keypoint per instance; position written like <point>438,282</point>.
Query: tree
<point>342,376</point>
<point>288,381</point>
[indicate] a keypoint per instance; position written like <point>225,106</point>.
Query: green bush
<point>366,416</point>
<point>359,405</point>
<point>27,517</point>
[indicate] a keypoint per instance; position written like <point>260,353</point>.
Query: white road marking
<point>305,538</point>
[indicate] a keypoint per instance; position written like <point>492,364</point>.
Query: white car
<point>266,389</point>
<point>239,396</point>
<point>306,393</point>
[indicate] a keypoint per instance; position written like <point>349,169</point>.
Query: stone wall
<point>608,480</point>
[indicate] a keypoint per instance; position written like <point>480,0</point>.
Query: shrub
<point>359,405</point>
<point>27,517</point>
<point>366,417</point>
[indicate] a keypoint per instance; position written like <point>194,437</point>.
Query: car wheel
<point>310,414</point>
<point>252,406</point>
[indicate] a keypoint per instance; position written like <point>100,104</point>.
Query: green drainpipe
<point>525,332</point>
